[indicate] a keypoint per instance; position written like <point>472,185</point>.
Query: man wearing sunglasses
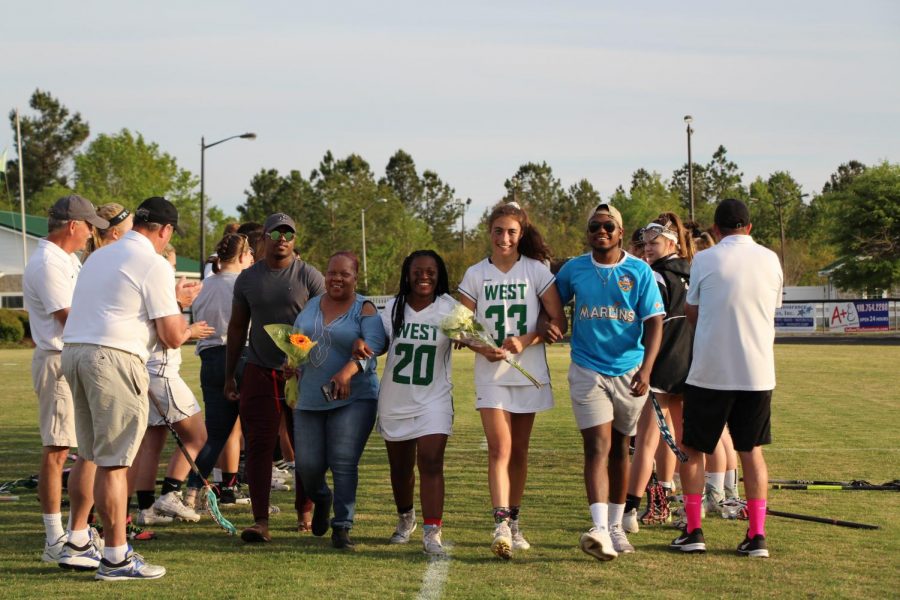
<point>274,290</point>
<point>617,327</point>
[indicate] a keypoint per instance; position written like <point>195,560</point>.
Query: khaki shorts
<point>109,392</point>
<point>175,399</point>
<point>599,399</point>
<point>56,414</point>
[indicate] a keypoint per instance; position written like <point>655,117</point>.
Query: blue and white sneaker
<point>133,567</point>
<point>82,558</point>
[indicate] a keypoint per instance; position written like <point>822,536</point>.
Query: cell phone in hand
<point>328,391</point>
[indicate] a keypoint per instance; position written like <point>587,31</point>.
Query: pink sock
<point>757,511</point>
<point>692,504</point>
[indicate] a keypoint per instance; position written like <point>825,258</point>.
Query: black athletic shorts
<point>706,412</point>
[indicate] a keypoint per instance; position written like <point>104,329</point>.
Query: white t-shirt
<point>416,376</point>
<point>737,286</point>
<point>164,362</point>
<point>508,304</point>
<point>48,285</point>
<point>120,290</point>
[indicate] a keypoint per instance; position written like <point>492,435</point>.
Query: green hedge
<point>11,327</point>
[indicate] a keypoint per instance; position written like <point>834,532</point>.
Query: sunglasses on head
<point>276,235</point>
<point>608,226</point>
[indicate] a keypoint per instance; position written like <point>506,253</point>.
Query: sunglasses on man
<point>608,226</point>
<point>276,235</point>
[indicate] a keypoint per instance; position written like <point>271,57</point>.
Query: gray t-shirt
<point>274,296</point>
<point>213,305</point>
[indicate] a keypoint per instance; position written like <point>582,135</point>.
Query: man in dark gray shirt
<point>274,290</point>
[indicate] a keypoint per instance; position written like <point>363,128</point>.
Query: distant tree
<point>439,209</point>
<point>401,176</point>
<point>844,175</point>
<point>723,177</point>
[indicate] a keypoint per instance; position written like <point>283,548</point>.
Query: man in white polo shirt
<point>49,282</point>
<point>124,301</point>
<point>735,288</point>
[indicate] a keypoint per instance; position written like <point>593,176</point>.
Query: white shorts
<point>599,399</point>
<point>514,398</point>
<point>175,398</point>
<point>411,428</point>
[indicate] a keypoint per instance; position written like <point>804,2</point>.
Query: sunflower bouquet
<point>296,347</point>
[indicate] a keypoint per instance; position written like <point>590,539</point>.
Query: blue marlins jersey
<point>611,304</point>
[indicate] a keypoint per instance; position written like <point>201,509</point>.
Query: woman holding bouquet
<point>338,396</point>
<point>507,291</point>
<point>415,403</point>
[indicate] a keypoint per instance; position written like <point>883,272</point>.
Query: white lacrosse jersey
<point>508,304</point>
<point>416,376</point>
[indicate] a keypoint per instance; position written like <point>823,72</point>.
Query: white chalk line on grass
<point>435,576</point>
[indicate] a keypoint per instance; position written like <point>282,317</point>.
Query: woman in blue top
<point>338,396</point>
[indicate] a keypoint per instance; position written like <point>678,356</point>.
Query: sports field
<point>836,417</point>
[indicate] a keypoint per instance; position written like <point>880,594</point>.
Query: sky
<point>472,90</point>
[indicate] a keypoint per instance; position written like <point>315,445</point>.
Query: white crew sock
<point>716,480</point>
<point>217,475</point>
<point>731,479</point>
<point>115,554</point>
<point>599,512</point>
<point>80,537</point>
<point>615,514</point>
<point>53,527</point>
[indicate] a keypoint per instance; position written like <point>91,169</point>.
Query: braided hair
<point>442,286</point>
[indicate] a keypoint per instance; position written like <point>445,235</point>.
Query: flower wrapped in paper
<point>296,347</point>
<point>461,325</point>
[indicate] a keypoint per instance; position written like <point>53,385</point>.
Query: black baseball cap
<point>75,208</point>
<point>279,220</point>
<point>158,210</point>
<point>732,214</point>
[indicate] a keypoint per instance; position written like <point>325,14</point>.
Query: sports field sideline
<point>836,416</point>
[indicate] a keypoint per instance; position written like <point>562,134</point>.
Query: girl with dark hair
<point>507,291</point>
<point>415,403</point>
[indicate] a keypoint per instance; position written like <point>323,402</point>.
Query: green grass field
<point>835,417</point>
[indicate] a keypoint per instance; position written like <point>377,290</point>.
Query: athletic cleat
<point>689,542</point>
<point>518,540</point>
<point>712,501</point>
<point>597,543</point>
<point>233,496</point>
<point>134,567</point>
<point>406,524</point>
<point>171,504</point>
<point>149,516</point>
<point>285,467</point>
<point>502,544</point>
<point>82,558</point>
<point>620,540</point>
<point>278,485</point>
<point>630,521</point>
<point>133,532</point>
<point>434,546</point>
<point>190,497</point>
<point>754,548</point>
<point>53,552</point>
<point>734,508</point>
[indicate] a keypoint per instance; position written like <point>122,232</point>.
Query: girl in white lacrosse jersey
<point>415,403</point>
<point>507,292</point>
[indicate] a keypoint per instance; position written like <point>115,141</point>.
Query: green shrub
<point>11,328</point>
<point>26,324</point>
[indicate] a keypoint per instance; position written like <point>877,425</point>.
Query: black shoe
<point>689,542</point>
<point>321,514</point>
<point>755,548</point>
<point>340,538</point>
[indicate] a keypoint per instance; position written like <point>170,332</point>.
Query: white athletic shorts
<point>175,398</point>
<point>514,398</point>
<point>411,428</point>
<point>599,399</point>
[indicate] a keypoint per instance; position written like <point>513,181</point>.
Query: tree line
<point>853,221</point>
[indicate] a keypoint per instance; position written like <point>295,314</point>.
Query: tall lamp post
<point>203,147</point>
<point>362,218</point>
<point>688,119</point>
<point>779,206</point>
<point>462,211</point>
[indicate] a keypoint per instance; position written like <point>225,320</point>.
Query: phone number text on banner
<point>858,315</point>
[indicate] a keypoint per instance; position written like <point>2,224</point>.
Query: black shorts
<point>706,411</point>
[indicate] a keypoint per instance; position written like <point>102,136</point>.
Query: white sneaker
<point>406,524</point>
<point>518,540</point>
<point>598,544</point>
<point>149,516</point>
<point>630,521</point>
<point>281,474</point>
<point>278,485</point>
<point>53,551</point>
<point>82,558</point>
<point>133,567</point>
<point>434,546</point>
<point>712,500</point>
<point>620,540</point>
<point>502,544</point>
<point>190,497</point>
<point>172,505</point>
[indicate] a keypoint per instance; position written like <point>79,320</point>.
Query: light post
<point>779,206</point>
<point>203,147</point>
<point>462,210</point>
<point>688,119</point>
<point>362,218</point>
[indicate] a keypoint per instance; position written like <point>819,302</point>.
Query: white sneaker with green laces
<point>518,540</point>
<point>406,524</point>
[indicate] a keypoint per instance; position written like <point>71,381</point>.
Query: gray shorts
<point>56,414</point>
<point>109,392</point>
<point>174,397</point>
<point>599,399</point>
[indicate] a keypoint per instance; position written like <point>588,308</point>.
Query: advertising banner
<point>796,317</point>
<point>857,315</point>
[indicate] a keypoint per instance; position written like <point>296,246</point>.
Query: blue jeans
<point>333,439</point>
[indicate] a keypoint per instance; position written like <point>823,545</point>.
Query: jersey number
<point>515,311</point>
<point>422,374</point>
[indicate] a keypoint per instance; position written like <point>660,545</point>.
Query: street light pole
<point>203,147</point>
<point>688,119</point>
<point>362,218</point>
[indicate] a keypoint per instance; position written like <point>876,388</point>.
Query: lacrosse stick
<point>857,484</point>
<point>664,430</point>
<point>212,504</point>
<point>854,486</point>
<point>812,519</point>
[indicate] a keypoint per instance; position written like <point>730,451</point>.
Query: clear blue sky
<point>472,89</point>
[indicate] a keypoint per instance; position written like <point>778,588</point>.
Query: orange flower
<point>301,341</point>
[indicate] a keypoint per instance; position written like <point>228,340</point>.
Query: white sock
<point>599,512</point>
<point>716,480</point>
<point>53,528</point>
<point>615,514</point>
<point>115,554</point>
<point>217,475</point>
<point>80,537</point>
<point>731,479</point>
<point>667,485</point>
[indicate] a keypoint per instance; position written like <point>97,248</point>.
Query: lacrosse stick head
<point>212,507</point>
